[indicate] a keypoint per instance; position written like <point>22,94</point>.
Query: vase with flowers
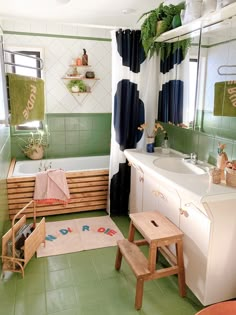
<point>150,137</point>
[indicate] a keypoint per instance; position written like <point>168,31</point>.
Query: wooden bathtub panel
<point>88,191</point>
<point>24,198</point>
<point>80,200</point>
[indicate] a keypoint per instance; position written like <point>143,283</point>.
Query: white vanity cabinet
<point>196,227</point>
<point>136,189</point>
<point>206,213</point>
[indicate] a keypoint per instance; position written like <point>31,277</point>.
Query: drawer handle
<point>141,179</point>
<point>183,212</point>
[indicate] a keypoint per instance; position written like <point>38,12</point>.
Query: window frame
<point>32,51</point>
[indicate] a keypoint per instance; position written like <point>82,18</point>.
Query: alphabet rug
<point>63,237</point>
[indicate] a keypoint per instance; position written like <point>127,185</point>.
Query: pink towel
<point>51,186</point>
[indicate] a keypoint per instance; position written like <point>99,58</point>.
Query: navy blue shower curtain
<point>128,113</point>
<point>171,94</point>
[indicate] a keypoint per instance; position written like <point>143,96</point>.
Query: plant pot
<point>74,89</point>
<point>35,153</point>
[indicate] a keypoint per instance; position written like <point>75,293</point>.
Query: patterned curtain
<point>173,89</point>
<point>134,98</point>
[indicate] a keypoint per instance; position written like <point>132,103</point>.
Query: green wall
<point>187,141</point>
<point>73,135</point>
<point>5,158</point>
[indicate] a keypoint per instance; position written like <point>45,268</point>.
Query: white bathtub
<point>31,167</point>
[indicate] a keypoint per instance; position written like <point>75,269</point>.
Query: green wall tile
<point>5,159</point>
<point>72,123</point>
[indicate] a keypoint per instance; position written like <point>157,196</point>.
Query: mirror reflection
<point>178,79</point>
<point>216,93</point>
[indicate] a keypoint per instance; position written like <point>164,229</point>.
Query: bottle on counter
<point>165,145</point>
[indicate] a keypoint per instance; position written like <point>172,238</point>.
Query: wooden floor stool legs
<point>158,236</point>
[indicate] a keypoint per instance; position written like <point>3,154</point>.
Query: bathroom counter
<point>204,212</point>
<point>198,187</point>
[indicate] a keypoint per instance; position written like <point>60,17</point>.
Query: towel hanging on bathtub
<point>225,99</point>
<point>51,186</point>
<point>26,96</point>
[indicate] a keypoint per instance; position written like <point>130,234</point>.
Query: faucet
<point>44,167</point>
<point>193,158</point>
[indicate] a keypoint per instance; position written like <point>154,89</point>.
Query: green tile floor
<point>86,283</point>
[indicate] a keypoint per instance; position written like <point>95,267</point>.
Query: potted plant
<point>34,146</point>
<point>158,21</point>
<point>76,86</point>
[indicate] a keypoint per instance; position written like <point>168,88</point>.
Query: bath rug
<point>63,237</point>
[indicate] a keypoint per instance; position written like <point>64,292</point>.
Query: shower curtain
<point>173,92</point>
<point>134,93</point>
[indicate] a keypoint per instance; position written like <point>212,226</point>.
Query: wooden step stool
<point>158,233</point>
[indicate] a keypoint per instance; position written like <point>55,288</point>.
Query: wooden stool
<point>223,308</point>
<point>158,233</point>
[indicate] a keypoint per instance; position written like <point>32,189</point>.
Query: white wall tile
<point>58,54</point>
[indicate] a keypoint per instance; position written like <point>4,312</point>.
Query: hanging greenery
<point>158,21</point>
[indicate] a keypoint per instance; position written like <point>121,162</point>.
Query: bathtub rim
<point>13,163</point>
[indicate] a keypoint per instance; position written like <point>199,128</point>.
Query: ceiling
<point>101,13</point>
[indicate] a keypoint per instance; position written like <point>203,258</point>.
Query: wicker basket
<point>230,177</point>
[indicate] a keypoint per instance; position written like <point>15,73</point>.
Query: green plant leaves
<point>150,31</point>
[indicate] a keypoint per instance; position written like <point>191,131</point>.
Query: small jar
<point>215,175</point>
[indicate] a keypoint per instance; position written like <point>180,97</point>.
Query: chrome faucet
<point>193,158</point>
<point>44,167</point>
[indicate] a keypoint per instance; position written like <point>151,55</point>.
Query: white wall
<point>61,43</point>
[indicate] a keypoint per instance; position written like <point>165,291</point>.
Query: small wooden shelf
<point>80,93</point>
<point>79,66</point>
<point>79,78</point>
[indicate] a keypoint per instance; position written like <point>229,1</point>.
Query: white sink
<point>179,165</point>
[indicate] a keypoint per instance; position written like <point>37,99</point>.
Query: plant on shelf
<point>77,86</point>
<point>158,21</point>
<point>33,147</point>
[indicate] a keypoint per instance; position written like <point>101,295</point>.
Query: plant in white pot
<point>33,147</point>
<point>76,86</point>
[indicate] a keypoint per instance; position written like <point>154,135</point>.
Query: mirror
<point>216,91</point>
<point>178,79</point>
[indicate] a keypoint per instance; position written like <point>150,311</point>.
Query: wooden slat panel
<point>22,203</point>
<point>11,168</point>
<point>87,179</point>
<point>25,199</point>
<point>21,179</point>
<point>21,185</point>
<point>20,190</point>
<point>85,173</point>
<point>88,184</point>
<point>56,212</point>
<point>59,206</point>
<point>88,191</point>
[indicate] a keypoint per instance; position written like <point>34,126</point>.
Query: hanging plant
<point>158,21</point>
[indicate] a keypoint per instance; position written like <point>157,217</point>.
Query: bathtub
<point>87,179</point>
<point>31,167</point>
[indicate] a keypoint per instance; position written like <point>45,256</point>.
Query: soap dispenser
<point>165,145</point>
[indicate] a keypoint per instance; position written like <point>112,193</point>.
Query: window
<point>29,57</point>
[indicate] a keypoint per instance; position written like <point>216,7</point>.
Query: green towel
<point>26,98</point>
<point>225,99</point>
